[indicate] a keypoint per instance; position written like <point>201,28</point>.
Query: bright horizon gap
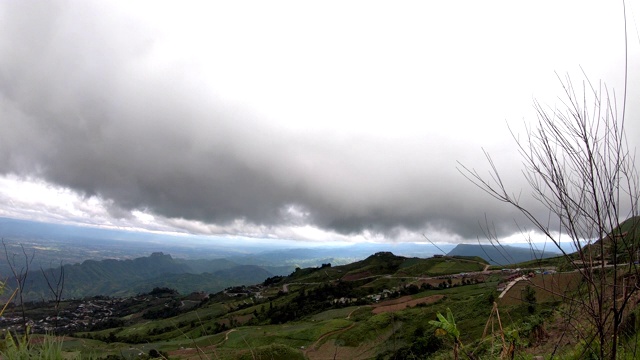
<point>248,242</point>
<point>49,196</point>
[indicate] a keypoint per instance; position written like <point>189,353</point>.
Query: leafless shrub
<point>578,166</point>
<point>55,283</point>
<point>20,271</point>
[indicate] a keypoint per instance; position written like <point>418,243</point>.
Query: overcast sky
<point>322,121</point>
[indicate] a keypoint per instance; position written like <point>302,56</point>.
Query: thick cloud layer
<point>342,123</point>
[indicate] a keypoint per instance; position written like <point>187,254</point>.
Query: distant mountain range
<point>53,244</point>
<point>500,254</point>
<point>114,262</point>
<point>129,277</point>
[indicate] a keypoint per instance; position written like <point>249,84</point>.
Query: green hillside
<point>383,307</point>
<point>308,314</point>
<point>627,241</point>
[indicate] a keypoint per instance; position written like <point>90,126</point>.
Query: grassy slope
<point>345,329</point>
<point>353,332</point>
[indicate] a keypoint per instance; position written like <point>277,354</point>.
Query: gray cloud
<point>83,104</point>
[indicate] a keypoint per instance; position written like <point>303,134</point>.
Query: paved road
<point>510,285</point>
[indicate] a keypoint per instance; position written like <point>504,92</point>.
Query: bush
<point>17,348</point>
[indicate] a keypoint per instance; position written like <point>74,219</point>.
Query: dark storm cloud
<point>84,104</point>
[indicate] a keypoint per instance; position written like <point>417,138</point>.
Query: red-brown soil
<point>403,303</point>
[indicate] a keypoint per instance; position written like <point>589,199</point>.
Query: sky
<point>311,121</point>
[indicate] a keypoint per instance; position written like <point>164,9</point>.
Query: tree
<point>20,274</point>
<point>56,287</point>
<point>529,297</point>
<point>578,166</point>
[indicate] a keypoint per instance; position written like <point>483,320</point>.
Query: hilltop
<point>498,254</point>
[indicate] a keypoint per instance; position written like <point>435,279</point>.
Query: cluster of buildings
<point>73,316</point>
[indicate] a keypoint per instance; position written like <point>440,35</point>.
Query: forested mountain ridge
<point>112,277</point>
